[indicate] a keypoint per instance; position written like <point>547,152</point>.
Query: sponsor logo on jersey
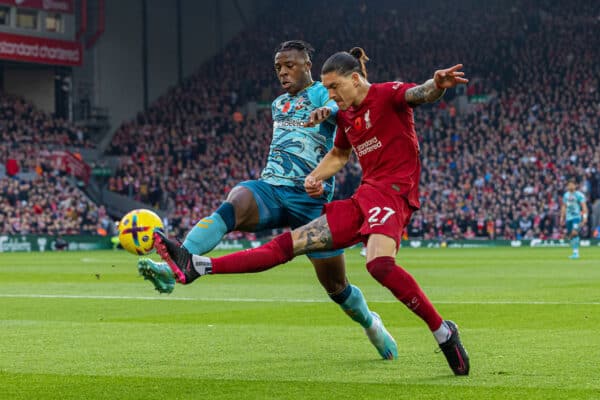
<point>289,123</point>
<point>368,146</point>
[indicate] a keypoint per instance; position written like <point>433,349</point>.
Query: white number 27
<point>376,211</point>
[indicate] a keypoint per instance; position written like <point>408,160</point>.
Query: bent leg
<point>239,211</point>
<point>332,275</point>
<point>381,264</point>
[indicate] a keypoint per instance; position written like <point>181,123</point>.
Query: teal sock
<point>575,245</point>
<point>205,235</point>
<point>356,308</point>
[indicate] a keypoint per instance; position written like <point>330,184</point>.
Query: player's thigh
<point>245,207</point>
<point>257,206</point>
<point>380,245</point>
<point>344,219</point>
<point>386,215</point>
<point>331,272</point>
<point>573,226</point>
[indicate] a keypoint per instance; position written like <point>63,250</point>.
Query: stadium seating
<point>36,197</point>
<point>495,158</point>
<point>495,155</point>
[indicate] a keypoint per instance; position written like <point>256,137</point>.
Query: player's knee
<point>380,267</point>
<point>244,210</point>
<point>227,213</point>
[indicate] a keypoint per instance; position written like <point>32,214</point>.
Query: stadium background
<point>167,109</point>
<point>166,105</point>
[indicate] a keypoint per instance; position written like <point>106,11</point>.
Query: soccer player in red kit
<point>376,122</point>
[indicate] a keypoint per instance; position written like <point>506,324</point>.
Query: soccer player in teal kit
<point>573,213</point>
<point>278,198</point>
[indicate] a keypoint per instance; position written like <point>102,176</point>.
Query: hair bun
<point>359,54</point>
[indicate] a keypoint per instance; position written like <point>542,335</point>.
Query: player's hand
<point>313,187</point>
<point>448,78</point>
<point>317,116</point>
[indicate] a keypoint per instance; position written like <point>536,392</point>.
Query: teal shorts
<point>281,206</point>
<point>573,224</point>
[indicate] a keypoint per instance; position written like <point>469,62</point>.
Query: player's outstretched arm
<point>333,161</point>
<point>433,89</point>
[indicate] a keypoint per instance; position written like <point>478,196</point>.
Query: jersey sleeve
<point>341,140</point>
<point>580,198</point>
<point>397,93</point>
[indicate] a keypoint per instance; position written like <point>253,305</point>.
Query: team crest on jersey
<point>299,104</point>
<point>368,119</point>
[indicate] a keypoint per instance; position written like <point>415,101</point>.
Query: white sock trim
<point>202,265</point>
<point>442,334</point>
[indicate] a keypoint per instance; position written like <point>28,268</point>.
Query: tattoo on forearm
<point>425,93</point>
<point>312,236</point>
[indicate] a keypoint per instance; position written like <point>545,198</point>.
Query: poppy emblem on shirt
<point>363,122</point>
<point>286,107</point>
<point>358,123</point>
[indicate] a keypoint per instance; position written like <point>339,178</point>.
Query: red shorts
<point>368,211</point>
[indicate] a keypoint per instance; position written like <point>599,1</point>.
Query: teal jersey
<point>573,203</point>
<point>296,150</point>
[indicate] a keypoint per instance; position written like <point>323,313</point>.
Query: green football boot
<point>381,339</point>
<point>158,273</point>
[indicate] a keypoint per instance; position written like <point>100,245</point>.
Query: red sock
<point>405,288</point>
<point>278,251</point>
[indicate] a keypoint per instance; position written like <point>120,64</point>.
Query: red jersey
<point>381,131</point>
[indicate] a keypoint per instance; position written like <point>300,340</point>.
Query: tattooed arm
<point>425,93</point>
<point>434,88</point>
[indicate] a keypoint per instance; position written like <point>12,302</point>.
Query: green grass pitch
<point>83,325</point>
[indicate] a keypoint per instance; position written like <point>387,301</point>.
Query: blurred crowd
<point>36,195</point>
<point>496,154</point>
<point>49,205</point>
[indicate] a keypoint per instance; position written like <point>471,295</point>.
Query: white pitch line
<point>255,300</point>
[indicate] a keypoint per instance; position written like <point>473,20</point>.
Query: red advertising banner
<point>60,6</point>
<point>40,50</point>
